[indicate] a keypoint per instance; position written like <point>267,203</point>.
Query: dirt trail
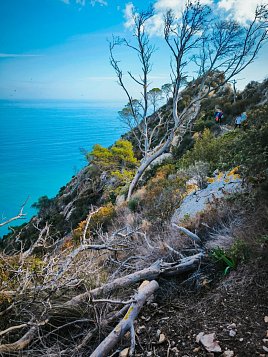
<point>234,309</point>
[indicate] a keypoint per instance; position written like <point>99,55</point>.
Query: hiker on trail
<point>244,116</point>
<point>218,116</point>
<point>241,120</point>
<point>238,121</point>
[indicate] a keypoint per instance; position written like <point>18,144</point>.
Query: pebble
<point>197,349</point>
<point>241,339</point>
<point>228,353</point>
<point>162,339</point>
<point>154,304</point>
<point>266,319</point>
<point>158,332</point>
<point>141,329</point>
<point>124,353</point>
<point>231,326</point>
<point>265,340</point>
<point>175,350</point>
<point>232,333</point>
<point>265,348</point>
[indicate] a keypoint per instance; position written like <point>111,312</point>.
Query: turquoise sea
<point>40,144</point>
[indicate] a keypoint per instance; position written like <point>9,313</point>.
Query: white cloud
<point>155,24</point>
<point>241,10</point>
<point>84,2</point>
<point>101,2</point>
<point>128,12</point>
<point>17,55</point>
<point>164,5</point>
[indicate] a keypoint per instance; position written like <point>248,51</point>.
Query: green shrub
<point>228,259</point>
<point>133,204</point>
<point>118,161</point>
<point>225,260</point>
<point>247,149</point>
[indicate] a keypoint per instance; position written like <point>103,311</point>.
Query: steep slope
<point>72,272</point>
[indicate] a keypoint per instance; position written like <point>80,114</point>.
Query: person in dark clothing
<point>218,116</point>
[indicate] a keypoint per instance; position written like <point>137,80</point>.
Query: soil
<point>238,303</point>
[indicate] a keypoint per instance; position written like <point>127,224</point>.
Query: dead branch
<point>40,242</point>
<point>186,231</point>
<point>20,215</point>
<point>12,328</point>
<point>109,301</point>
<point>24,341</point>
<point>103,324</point>
<point>91,213</point>
<point>145,290</point>
<point>151,273</point>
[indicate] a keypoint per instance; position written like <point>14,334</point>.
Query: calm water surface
<point>40,146</point>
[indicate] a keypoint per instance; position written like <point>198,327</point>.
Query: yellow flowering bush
<point>99,219</point>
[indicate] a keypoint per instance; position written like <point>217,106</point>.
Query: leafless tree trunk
<point>199,43</point>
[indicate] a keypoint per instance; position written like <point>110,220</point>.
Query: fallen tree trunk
<point>145,290</point>
<point>146,274</point>
<point>151,273</point>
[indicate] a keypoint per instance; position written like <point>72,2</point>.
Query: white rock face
<point>198,201</point>
<point>161,159</point>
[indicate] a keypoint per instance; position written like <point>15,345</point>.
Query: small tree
<point>154,97</point>
<point>118,161</point>
<point>167,89</point>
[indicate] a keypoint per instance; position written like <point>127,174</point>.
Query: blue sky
<point>57,49</point>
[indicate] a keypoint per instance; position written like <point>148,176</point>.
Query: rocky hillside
<point>180,269</point>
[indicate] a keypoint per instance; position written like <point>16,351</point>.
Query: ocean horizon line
<point>60,100</point>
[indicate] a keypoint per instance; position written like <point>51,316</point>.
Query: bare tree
<point>135,113</point>
<point>214,50</point>
<point>136,110</point>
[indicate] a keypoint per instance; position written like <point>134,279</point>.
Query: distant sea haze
<point>40,144</point>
